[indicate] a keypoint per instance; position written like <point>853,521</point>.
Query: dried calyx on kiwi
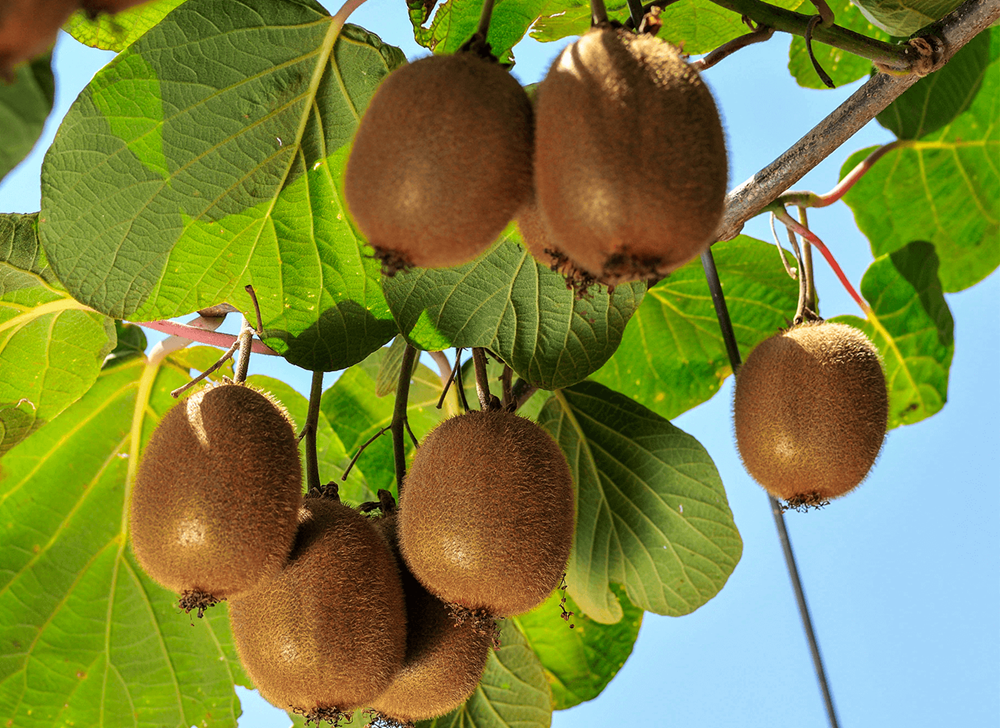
<point>444,660</point>
<point>328,633</point>
<point>441,160</point>
<point>810,412</point>
<point>630,157</point>
<point>214,507</point>
<point>486,516</point>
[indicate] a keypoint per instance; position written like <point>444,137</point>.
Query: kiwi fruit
<point>538,242</point>
<point>328,633</point>
<point>810,412</point>
<point>214,507</point>
<point>441,161</point>
<point>28,28</point>
<point>444,659</point>
<point>486,515</point>
<point>630,156</point>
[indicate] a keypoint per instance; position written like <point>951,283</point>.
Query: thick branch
<point>763,188</point>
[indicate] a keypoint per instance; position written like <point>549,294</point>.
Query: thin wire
<point>733,350</point>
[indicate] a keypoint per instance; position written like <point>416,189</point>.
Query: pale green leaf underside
<point>513,692</point>
<point>87,638</point>
<point>579,661</point>
<point>208,156</point>
<point>672,356</point>
<point>652,513</point>
<point>916,332</point>
<point>517,308</point>
<point>905,17</point>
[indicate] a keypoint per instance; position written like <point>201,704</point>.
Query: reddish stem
<point>194,333</point>
<point>811,199</point>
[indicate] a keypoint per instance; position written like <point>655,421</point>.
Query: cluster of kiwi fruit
<point>332,609</point>
<point>810,411</point>
<point>618,173</point>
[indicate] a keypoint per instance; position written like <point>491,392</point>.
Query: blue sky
<point>902,576</point>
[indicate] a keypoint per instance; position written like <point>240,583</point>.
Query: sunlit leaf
<point>579,661</point>
<point>519,309</point>
<point>51,346</point>
<point>652,514</point>
<point>942,188</point>
<point>672,356</point>
<point>513,692</point>
<point>116,32</point>
<point>88,639</point>
<point>905,17</point>
<point>24,106</point>
<point>209,155</point>
<point>915,334</point>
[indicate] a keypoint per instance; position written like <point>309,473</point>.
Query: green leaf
<point>455,21</point>
<point>700,25</point>
<point>672,356</point>
<point>652,514</point>
<point>51,346</point>
<point>942,188</point>
<point>513,692</point>
<point>356,414</point>
<point>914,331</point>
<point>392,363</point>
<point>579,661</point>
<point>842,66</point>
<point>331,455</point>
<point>519,309</point>
<point>905,17</point>
<point>87,638</point>
<point>935,100</point>
<point>209,155</point>
<point>24,107</point>
<point>117,32</point>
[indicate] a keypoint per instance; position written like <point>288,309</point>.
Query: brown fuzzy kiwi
<point>810,411</point>
<point>539,243</point>
<point>441,161</point>
<point>327,634</point>
<point>444,660</point>
<point>216,496</point>
<point>630,156</point>
<point>28,28</point>
<point>486,517</point>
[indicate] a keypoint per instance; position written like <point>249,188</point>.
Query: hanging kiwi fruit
<point>213,512</point>
<point>810,412</point>
<point>486,516</point>
<point>441,160</point>
<point>630,157</point>
<point>444,660</point>
<point>328,633</point>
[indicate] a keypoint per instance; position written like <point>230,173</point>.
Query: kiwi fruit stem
<point>311,426</point>
<point>399,415</point>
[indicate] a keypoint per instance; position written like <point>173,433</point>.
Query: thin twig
<point>598,13</point>
<point>521,392</point>
<point>484,19</point>
<point>733,351</point>
<point>811,306</point>
<point>451,378</point>
<point>208,372</point>
<point>311,428</point>
<point>814,22</point>
<point>245,340</point>
<point>758,35</point>
<point>482,378</point>
<point>256,308</point>
<point>399,425</point>
<point>361,449</point>
<point>506,377</point>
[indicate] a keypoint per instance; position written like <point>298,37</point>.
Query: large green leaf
<point>356,414</point>
<point>86,638</point>
<point>209,155</point>
<point>513,692</point>
<point>842,67</point>
<point>905,17</point>
<point>672,356</point>
<point>24,107</point>
<point>935,100</point>
<point>652,514</point>
<point>700,25</point>
<point>914,332</point>
<point>519,309</point>
<point>581,659</point>
<point>51,346</point>
<point>942,187</point>
<point>117,32</point>
<point>455,21</point>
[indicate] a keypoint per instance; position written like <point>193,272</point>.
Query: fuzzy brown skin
<point>539,243</point>
<point>444,661</point>
<point>28,28</point>
<point>810,411</point>
<point>329,632</point>
<point>215,503</point>
<point>486,517</point>
<point>630,157</point>
<point>441,161</point>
